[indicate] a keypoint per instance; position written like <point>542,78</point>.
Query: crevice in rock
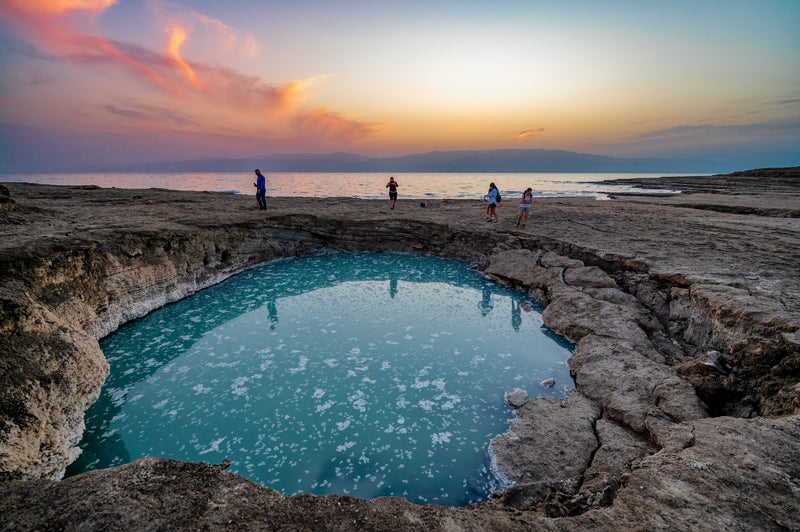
<point>749,385</point>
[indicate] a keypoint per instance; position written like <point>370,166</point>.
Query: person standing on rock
<point>261,190</point>
<point>392,186</point>
<point>525,206</point>
<point>491,209</point>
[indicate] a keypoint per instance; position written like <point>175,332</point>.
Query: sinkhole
<point>359,374</point>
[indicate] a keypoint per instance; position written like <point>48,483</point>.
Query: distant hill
<point>476,161</point>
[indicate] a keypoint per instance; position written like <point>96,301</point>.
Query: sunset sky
<point>124,81</point>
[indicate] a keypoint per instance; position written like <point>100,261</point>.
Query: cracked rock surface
<point>685,311</point>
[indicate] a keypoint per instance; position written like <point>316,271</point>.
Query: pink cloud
<point>528,133</point>
<point>333,125</point>
<point>47,24</point>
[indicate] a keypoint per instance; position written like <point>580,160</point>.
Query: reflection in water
<point>355,393</point>
<point>486,304</point>
<point>516,315</point>
<point>272,309</point>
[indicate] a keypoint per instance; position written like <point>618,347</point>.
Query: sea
<point>370,185</point>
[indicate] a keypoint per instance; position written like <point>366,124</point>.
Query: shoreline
<point>648,287</point>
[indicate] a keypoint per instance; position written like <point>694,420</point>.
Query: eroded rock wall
<point>59,299</point>
<point>640,448</point>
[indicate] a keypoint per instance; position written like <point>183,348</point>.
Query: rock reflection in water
<point>309,379</point>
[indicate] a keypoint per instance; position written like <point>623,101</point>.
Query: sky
<point>115,82</point>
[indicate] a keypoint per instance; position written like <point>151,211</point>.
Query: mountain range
<point>476,161</point>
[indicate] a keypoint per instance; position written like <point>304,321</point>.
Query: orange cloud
<point>177,36</point>
<point>57,7</point>
<point>47,25</point>
<point>225,40</point>
<point>528,133</point>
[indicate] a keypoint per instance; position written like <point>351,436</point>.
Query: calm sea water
<point>360,374</point>
<point>359,185</point>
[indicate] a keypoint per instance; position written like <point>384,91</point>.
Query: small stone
<point>517,398</point>
<point>548,382</point>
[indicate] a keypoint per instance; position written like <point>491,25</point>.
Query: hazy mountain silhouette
<point>477,161</point>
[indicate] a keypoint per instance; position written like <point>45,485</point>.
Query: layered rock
<point>631,446</point>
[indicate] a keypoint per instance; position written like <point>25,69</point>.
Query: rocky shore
<point>685,310</point>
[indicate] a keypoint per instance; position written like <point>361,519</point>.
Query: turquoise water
<point>358,374</point>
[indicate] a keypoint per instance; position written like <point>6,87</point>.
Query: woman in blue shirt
<point>491,209</point>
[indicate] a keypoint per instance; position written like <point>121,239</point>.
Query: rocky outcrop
<point>632,446</point>
<point>734,474</point>
<point>6,203</point>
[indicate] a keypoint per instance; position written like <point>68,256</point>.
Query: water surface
<point>358,374</point>
<point>366,185</point>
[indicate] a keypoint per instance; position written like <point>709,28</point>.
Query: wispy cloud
<point>528,133</point>
<point>47,24</point>
<point>724,142</point>
<point>146,113</point>
<point>714,132</point>
<point>223,38</point>
<point>177,37</point>
<point>334,125</point>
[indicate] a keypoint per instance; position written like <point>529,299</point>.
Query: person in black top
<point>392,186</point>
